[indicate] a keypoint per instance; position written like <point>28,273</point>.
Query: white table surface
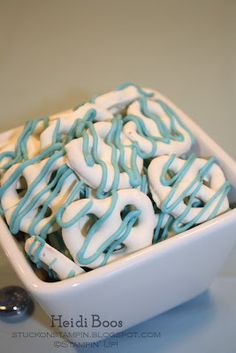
<point>57,53</point>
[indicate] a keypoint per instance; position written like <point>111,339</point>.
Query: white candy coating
<point>93,174</point>
<point>130,130</point>
<point>52,258</point>
<point>215,178</point>
<point>66,119</point>
<point>116,101</point>
<point>139,237</point>
<point>125,101</point>
<point>9,139</point>
<point>11,198</point>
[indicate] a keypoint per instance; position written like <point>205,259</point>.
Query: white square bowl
<point>144,284</point>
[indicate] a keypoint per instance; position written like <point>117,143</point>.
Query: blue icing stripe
<point>30,127</point>
<point>78,189</point>
<point>50,190</point>
<point>121,234</point>
<point>34,255</point>
<point>133,172</point>
<point>144,184</point>
<point>7,154</point>
<point>139,89</point>
<point>142,131</point>
<point>161,231</point>
<point>61,176</point>
<point>167,134</point>
<point>118,162</point>
<point>178,177</point>
<point>25,206</point>
<point>16,219</point>
<point>76,218</point>
<point>56,132</point>
<point>174,117</point>
<point>115,239</point>
<point>166,208</point>
<point>157,120</point>
<point>59,183</point>
<point>76,129</point>
<point>124,86</point>
<point>94,228</point>
<point>94,154</point>
<point>71,274</point>
<point>86,152</point>
<point>114,157</point>
<point>18,172</point>
<point>21,148</point>
<point>221,194</point>
<point>192,189</point>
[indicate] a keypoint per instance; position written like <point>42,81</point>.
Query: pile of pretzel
<point>106,179</point>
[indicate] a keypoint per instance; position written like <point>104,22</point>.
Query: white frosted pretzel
<point>76,235</point>
<point>92,174</point>
<point>61,123</point>
<point>92,238</point>
<point>191,190</point>
<point>21,209</point>
<point>9,142</point>
<point>41,252</point>
<point>105,106</point>
<point>148,144</point>
<point>116,101</point>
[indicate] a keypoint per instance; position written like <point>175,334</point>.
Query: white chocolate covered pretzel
<point>41,252</point>
<point>117,100</point>
<point>192,190</point>
<point>95,247</point>
<point>103,165</point>
<point>32,207</point>
<point>63,123</point>
<point>21,143</point>
<point>104,180</point>
<point>156,129</point>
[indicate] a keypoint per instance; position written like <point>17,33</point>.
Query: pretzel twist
<point>44,255</point>
<point>95,247</point>
<point>32,207</point>
<point>102,161</point>
<point>192,190</point>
